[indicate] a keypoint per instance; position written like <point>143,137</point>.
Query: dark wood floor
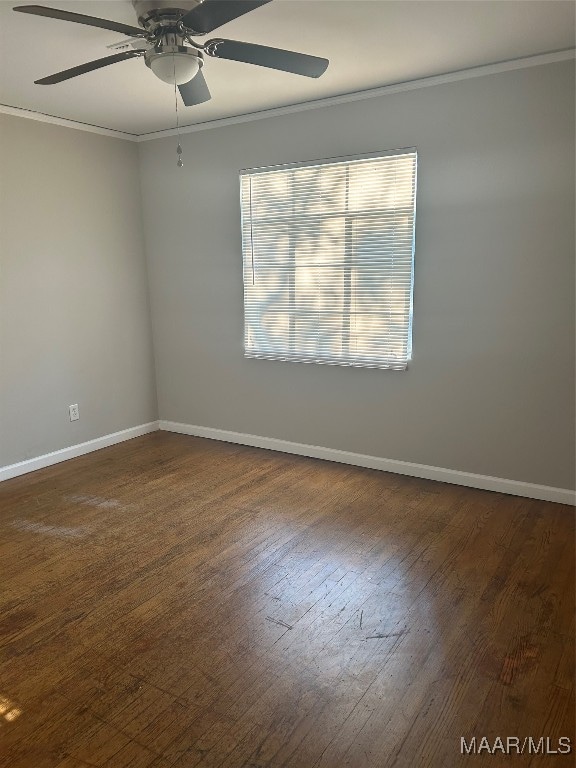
<point>174,601</point>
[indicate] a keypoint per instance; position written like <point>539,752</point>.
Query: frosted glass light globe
<point>166,65</point>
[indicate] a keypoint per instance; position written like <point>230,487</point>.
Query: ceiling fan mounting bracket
<point>176,8</point>
<point>156,15</point>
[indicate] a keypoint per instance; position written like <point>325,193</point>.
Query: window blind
<point>328,252</point>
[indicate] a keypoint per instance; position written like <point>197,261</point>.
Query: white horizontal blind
<point>328,253</point>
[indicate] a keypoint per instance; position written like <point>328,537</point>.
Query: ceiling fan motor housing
<point>150,11</point>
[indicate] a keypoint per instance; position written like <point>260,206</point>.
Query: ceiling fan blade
<point>213,13</point>
<point>80,18</point>
<point>195,91</point>
<point>89,67</point>
<point>263,56</point>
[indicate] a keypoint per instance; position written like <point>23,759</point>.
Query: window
<point>328,250</point>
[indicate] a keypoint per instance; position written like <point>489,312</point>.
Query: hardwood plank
<point>173,602</point>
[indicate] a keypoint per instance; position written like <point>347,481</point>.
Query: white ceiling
<point>370,43</point>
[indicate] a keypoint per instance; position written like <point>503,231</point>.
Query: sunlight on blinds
<point>328,253</point>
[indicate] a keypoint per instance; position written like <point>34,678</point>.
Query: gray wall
<point>490,389</point>
<point>74,311</point>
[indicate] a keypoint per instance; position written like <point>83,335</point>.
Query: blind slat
<point>328,253</point>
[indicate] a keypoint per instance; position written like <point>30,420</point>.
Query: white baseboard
<point>484,482</point>
<point>39,462</point>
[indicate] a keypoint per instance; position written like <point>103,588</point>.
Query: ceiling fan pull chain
<point>180,162</point>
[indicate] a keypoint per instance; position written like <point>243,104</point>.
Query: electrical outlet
<point>74,412</point>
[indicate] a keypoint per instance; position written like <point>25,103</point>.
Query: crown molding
<point>372,93</point>
<point>5,109</point>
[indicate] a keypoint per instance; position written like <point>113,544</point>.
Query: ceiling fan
<point>164,39</point>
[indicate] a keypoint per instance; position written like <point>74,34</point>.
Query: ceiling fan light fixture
<point>180,67</point>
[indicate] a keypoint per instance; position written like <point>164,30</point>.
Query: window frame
<point>349,217</point>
